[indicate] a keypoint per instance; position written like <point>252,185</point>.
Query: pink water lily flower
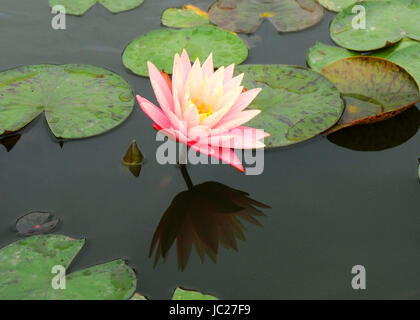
<point>204,109</point>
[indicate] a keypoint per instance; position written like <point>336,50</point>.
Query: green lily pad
<point>185,294</point>
<point>247,15</point>
<point>387,22</point>
<point>297,103</point>
<point>79,101</point>
<point>374,89</point>
<point>160,47</point>
<point>79,7</point>
<point>186,17</point>
<point>405,53</point>
<point>26,272</point>
<point>338,5</point>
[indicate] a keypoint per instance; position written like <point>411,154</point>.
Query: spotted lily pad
<point>36,223</point>
<point>188,16</point>
<point>387,22</point>
<point>160,47</point>
<point>26,272</point>
<point>186,294</point>
<point>374,89</point>
<point>338,5</point>
<point>247,15</point>
<point>79,7</point>
<point>405,53</point>
<point>79,101</point>
<point>297,103</point>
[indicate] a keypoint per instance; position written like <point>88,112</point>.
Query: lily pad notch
<point>79,101</point>
<point>160,46</point>
<point>247,15</point>
<point>79,7</point>
<point>27,272</point>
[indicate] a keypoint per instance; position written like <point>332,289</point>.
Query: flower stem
<point>186,176</point>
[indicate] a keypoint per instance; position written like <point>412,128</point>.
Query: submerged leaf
<point>188,16</point>
<point>79,101</point>
<point>36,223</point>
<point>374,89</point>
<point>206,216</point>
<point>186,294</point>
<point>247,15</point>
<point>160,47</point>
<point>26,272</point>
<point>9,141</point>
<point>296,103</point>
<point>387,22</point>
<point>79,7</point>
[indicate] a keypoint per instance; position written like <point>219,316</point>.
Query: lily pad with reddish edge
<point>160,47</point>
<point>36,223</point>
<point>405,53</point>
<point>79,101</point>
<point>247,15</point>
<point>387,22</point>
<point>31,267</point>
<point>186,17</point>
<point>374,89</point>
<point>380,135</point>
<point>79,7</point>
<point>297,104</point>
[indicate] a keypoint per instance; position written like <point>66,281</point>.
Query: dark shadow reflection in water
<point>9,141</point>
<point>381,135</point>
<point>205,216</point>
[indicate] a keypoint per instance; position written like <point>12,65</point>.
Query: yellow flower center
<point>203,110</point>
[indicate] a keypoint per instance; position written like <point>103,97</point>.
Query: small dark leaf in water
<point>10,141</point>
<point>205,217</point>
<point>36,223</point>
<point>133,155</point>
<point>133,159</point>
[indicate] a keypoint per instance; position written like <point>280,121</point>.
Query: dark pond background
<point>332,207</point>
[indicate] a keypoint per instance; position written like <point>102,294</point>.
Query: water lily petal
<point>153,112</point>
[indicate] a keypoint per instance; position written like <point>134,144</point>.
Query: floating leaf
<point>380,135</point>
<point>79,7</point>
<point>207,216</point>
<point>297,103</point>
<point>186,294</point>
<point>160,47</point>
<point>406,54</point>
<point>374,89</point>
<point>9,141</point>
<point>247,15</point>
<point>186,17</point>
<point>36,223</point>
<point>338,5</point>
<point>133,159</point>
<point>79,101</point>
<point>138,296</point>
<point>387,22</point>
<point>26,272</point>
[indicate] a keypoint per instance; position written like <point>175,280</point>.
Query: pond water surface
<point>332,207</point>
